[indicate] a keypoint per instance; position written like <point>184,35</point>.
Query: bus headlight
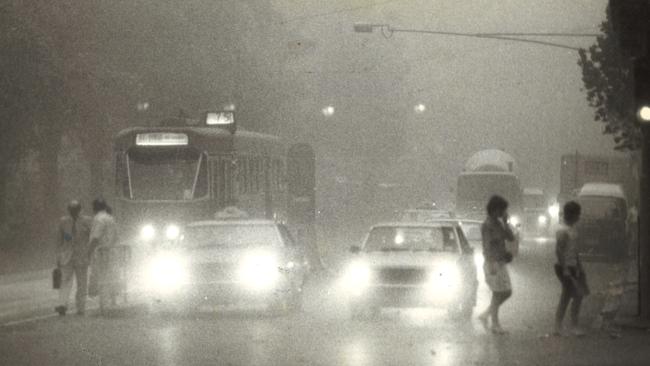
<point>259,272</point>
<point>542,220</point>
<point>147,232</point>
<point>172,232</point>
<point>167,273</point>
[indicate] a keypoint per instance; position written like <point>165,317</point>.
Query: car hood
<point>407,259</point>
<point>228,255</point>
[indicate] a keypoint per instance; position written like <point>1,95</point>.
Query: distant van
<point>602,231</point>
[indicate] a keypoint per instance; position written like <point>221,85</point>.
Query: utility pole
<point>630,21</point>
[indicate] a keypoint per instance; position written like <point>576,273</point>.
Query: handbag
<point>56,278</point>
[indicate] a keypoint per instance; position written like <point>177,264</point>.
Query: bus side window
<point>121,176</point>
<point>201,188</point>
<point>242,171</point>
<point>252,175</point>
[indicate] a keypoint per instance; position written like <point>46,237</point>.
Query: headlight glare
<point>259,271</point>
<point>542,220</point>
<point>172,232</point>
<point>147,232</point>
<point>515,221</point>
<point>445,279</point>
<point>166,273</point>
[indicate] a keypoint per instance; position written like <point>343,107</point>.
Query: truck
<point>602,229</point>
<point>578,169</point>
<point>487,173</point>
<point>536,219</point>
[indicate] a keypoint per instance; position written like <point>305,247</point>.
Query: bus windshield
<point>475,190</point>
<point>594,207</point>
<point>534,201</point>
<point>171,174</point>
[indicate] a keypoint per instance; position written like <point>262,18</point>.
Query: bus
<point>187,170</point>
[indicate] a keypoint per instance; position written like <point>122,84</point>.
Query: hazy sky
<point>524,98</point>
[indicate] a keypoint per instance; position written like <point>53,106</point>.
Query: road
<point>323,334</point>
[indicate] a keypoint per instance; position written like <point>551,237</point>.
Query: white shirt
<point>104,229</point>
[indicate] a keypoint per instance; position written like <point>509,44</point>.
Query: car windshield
<point>233,236</point>
<point>435,239</point>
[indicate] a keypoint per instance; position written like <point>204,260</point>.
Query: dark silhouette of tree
<point>608,78</point>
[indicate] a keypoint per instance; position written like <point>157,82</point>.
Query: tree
<point>607,73</point>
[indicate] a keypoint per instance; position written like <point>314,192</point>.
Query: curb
<point>8,279</point>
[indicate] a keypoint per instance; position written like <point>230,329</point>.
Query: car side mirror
<point>355,249</point>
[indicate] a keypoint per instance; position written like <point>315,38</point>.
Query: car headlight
<point>172,232</point>
<point>445,279</point>
<point>479,259</point>
<point>554,211</point>
<point>542,220</point>
<point>147,232</point>
<point>259,271</point>
<point>356,277</point>
<point>166,273</point>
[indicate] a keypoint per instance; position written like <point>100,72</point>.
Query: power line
<point>388,31</point>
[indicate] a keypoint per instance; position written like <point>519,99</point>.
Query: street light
<point>420,108</point>
<point>644,114</point>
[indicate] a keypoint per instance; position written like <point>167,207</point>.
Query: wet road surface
<point>323,334</point>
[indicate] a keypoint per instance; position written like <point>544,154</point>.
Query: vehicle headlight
<point>147,232</point>
<point>554,211</point>
<point>259,271</point>
<point>479,259</point>
<point>515,221</point>
<point>445,280</point>
<point>167,273</point>
<point>542,220</point>
<point>172,232</point>
<point>356,277</point>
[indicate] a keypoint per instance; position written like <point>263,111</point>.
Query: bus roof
<point>602,190</point>
<point>214,140</point>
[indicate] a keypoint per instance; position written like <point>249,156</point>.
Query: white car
<point>412,265</point>
<point>229,262</point>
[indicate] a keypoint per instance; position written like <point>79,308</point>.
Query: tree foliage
<point>607,73</point>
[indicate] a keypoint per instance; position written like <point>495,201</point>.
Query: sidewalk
<point>620,307</point>
<point>26,293</point>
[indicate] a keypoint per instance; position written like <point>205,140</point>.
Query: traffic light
<point>642,88</point>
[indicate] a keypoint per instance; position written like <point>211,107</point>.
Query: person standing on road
<point>568,269</point>
<point>103,233</point>
<point>495,231</point>
<point>72,257</point>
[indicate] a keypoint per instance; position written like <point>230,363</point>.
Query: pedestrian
<point>495,231</point>
<point>568,269</point>
<point>102,234</point>
<point>72,257</point>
